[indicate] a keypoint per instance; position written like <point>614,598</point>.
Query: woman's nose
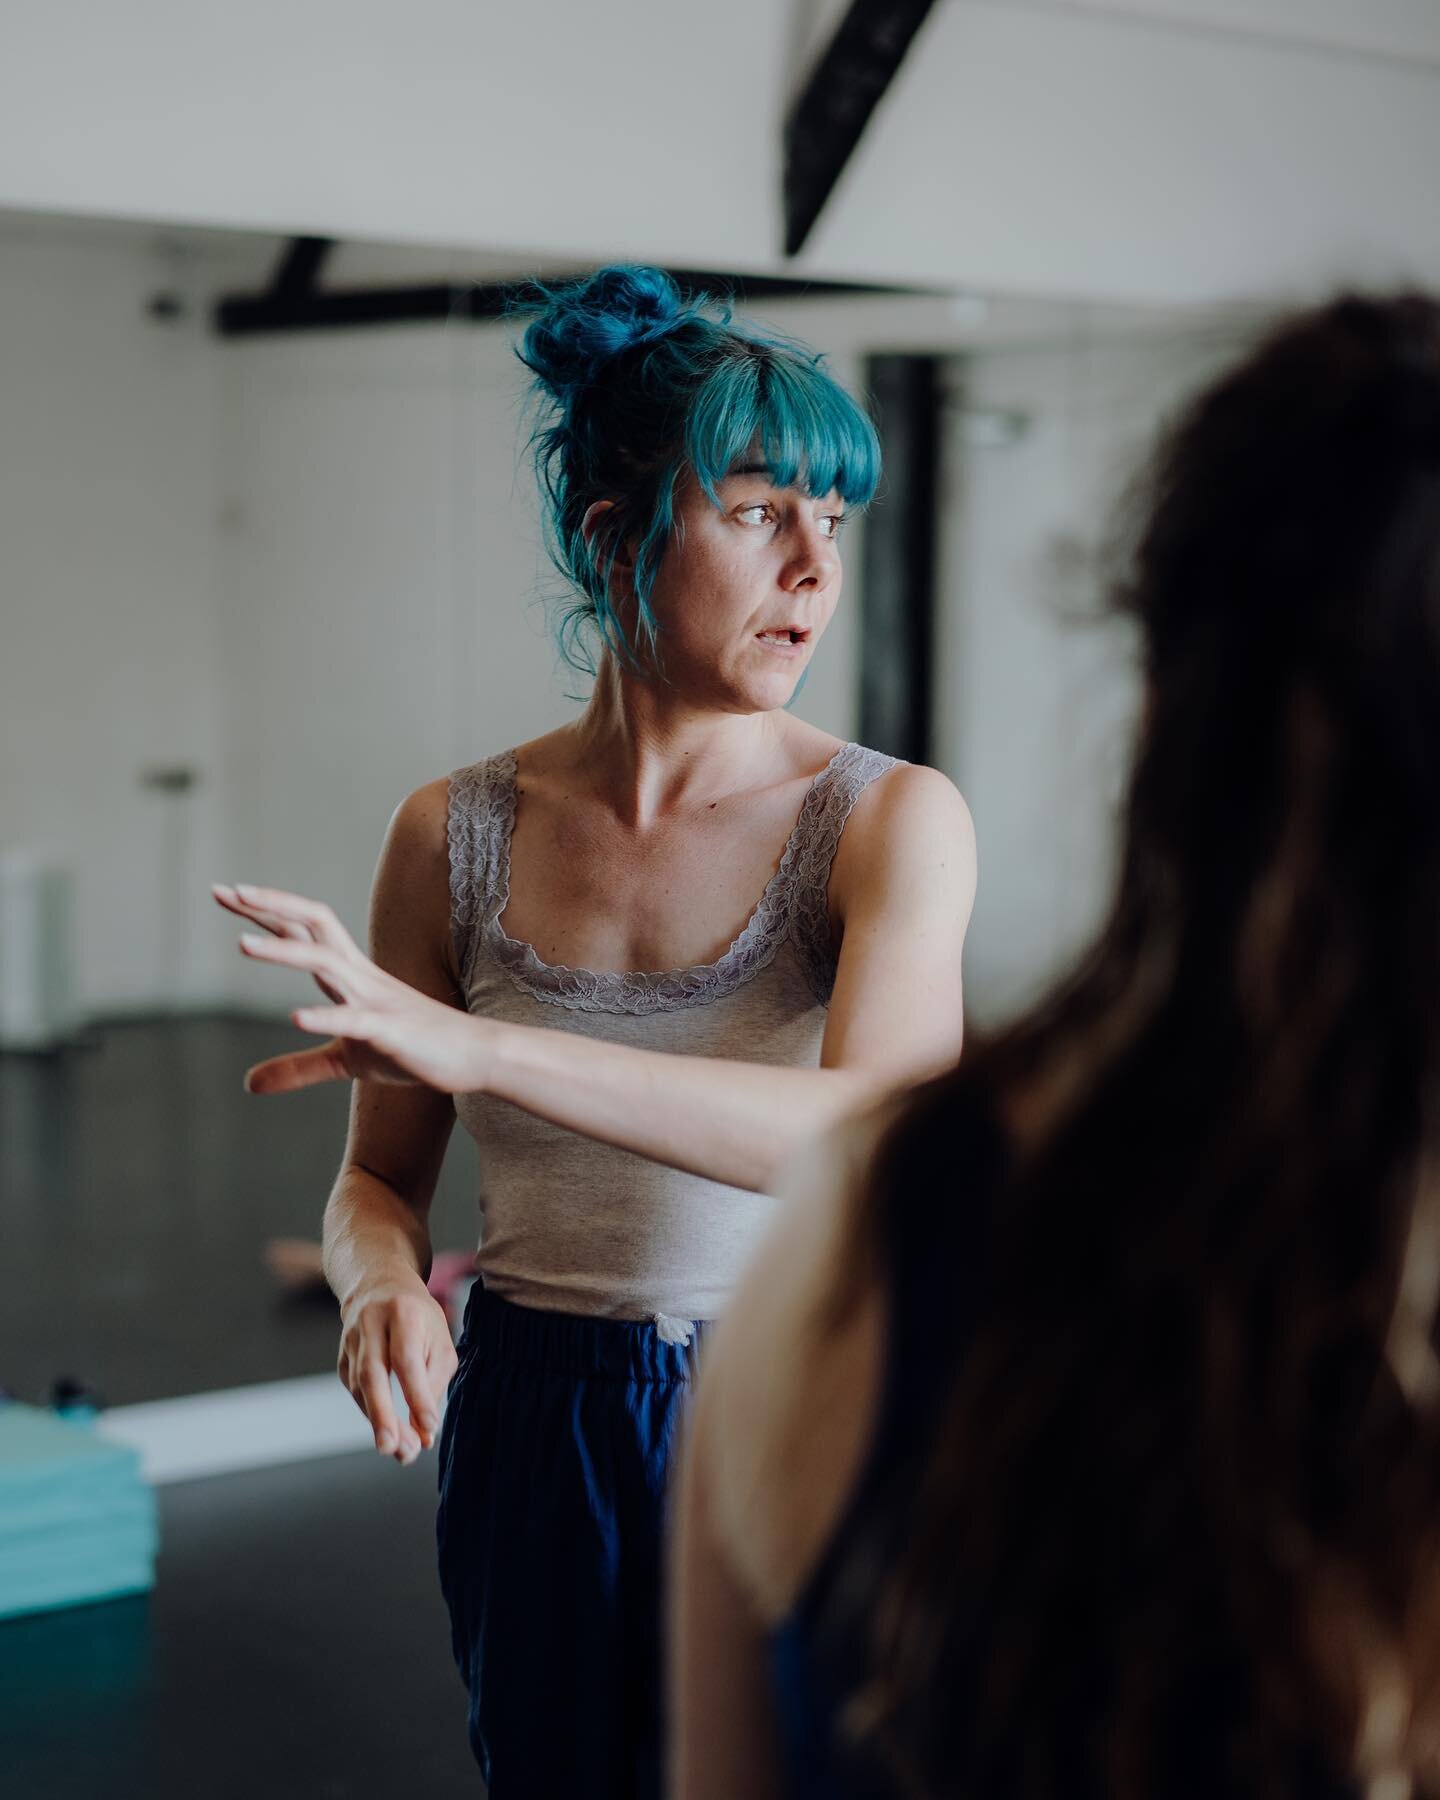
<point>813,562</point>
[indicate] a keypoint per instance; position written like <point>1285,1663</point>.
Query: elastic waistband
<point>571,1344</point>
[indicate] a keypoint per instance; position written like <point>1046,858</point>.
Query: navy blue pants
<point>554,1456</point>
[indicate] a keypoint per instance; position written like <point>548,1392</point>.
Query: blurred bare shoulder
<point>789,1390</point>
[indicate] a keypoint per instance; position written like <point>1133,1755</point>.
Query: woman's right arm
<point>377,1240</point>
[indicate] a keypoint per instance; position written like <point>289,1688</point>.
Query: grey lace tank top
<point>571,1225</point>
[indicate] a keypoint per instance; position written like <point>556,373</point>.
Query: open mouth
<point>784,637</point>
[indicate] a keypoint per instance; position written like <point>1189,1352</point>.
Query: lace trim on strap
<point>480,813</point>
<point>848,777</point>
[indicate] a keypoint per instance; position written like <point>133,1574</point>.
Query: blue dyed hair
<point>635,385</point>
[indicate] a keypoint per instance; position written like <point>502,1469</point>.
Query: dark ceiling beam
<point>249,315</point>
<point>829,118</point>
<point>302,307</point>
<point>298,271</point>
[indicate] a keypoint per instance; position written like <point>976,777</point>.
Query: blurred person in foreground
<point>1078,1434</point>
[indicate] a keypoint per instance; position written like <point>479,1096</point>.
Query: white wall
<point>1036,690</point>
<point>379,567</point>
<point>108,655</point>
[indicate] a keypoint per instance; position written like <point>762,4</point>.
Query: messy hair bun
<point>582,327</point>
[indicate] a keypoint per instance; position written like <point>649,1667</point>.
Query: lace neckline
<point>646,991</point>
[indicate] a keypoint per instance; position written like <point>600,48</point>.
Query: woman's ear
<point>600,530</point>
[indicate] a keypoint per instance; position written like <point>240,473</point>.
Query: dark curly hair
<point>1178,1527</point>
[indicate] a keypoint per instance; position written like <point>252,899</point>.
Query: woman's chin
<point>743,690</point>
<point>773,693</point>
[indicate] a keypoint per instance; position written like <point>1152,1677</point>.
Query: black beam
<point>299,268</point>
<point>316,309</point>
<point>828,119</point>
<point>898,599</point>
<point>246,315</point>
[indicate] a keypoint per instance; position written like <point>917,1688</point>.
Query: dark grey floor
<point>138,1183</point>
<point>296,1645</point>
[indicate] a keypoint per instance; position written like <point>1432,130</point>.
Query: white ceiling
<point>1397,28</point>
<point>1141,151</point>
<point>1119,151</point>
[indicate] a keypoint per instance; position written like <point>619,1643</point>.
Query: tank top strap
<point>817,837</point>
<point>480,819</point>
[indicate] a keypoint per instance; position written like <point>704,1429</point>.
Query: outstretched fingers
<point>299,1069</point>
<point>342,974</point>
<point>358,1023</point>
<point>228,898</point>
<point>294,909</point>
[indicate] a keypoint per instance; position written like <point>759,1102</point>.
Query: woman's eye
<point>832,523</point>
<point>758,513</point>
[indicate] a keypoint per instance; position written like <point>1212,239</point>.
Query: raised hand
<point>379,1028</point>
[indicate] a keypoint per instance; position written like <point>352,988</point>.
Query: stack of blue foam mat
<point>77,1522</point>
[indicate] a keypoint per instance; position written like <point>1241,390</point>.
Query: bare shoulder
<point>787,1392</point>
<point>419,823</point>
<point>909,828</point>
<point>911,801</point>
<point>410,898</point>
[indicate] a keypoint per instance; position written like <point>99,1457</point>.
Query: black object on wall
<point>897,622</point>
<point>829,117</point>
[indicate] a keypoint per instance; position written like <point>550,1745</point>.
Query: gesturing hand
<point>379,1028</point>
<point>394,1325</point>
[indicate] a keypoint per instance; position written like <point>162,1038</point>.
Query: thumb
<point>300,1069</point>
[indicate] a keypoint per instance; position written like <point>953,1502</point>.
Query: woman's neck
<point>648,751</point>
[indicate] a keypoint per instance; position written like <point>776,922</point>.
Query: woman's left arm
<point>901,891</point>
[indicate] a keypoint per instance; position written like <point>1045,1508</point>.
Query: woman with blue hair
<point>645,959</point>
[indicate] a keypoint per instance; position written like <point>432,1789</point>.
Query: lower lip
<point>783,649</point>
